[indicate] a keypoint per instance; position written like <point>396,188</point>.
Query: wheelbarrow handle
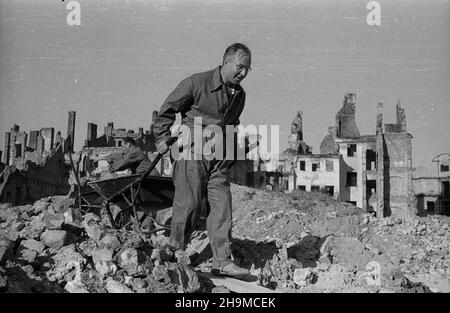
<point>155,161</point>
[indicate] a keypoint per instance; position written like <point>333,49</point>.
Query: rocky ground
<point>297,242</point>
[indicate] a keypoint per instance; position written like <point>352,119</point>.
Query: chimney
<point>380,118</point>
<point>109,132</point>
<point>401,117</point>
<point>71,129</point>
<point>91,134</point>
<point>40,145</point>
<point>15,128</point>
<point>7,144</point>
<point>48,134</point>
<point>33,139</point>
<point>23,143</point>
<point>154,115</point>
<point>58,138</point>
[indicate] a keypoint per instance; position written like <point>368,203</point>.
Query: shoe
<point>231,270</point>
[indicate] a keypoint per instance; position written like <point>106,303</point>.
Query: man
<point>217,97</point>
<point>134,159</point>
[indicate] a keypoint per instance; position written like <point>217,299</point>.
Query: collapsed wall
<point>34,166</point>
<point>28,181</point>
<point>295,140</point>
<point>345,118</point>
<point>394,170</point>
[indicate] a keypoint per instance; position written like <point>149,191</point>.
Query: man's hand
<point>162,147</point>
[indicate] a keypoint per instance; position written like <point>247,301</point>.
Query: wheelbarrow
<point>137,196</point>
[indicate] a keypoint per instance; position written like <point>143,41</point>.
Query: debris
<point>220,289</point>
<point>6,248</point>
<point>3,280</point>
<point>134,262</point>
<point>105,268</point>
<point>33,245</point>
<point>104,254</point>
<point>75,287</point>
<point>115,287</point>
<point>303,276</point>
<point>290,241</point>
<point>55,239</point>
<point>91,224</point>
<point>236,285</point>
<point>160,273</point>
<point>182,257</point>
<point>183,276</point>
<point>28,255</point>
<point>111,242</point>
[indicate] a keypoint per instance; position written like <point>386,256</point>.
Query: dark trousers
<point>193,180</point>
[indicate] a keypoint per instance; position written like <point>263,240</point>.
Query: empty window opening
<point>351,150</point>
<point>315,167</point>
<point>302,165</point>
<point>329,190</point>
<point>352,179</point>
<point>430,206</point>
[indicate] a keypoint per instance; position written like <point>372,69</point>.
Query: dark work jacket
<point>134,159</point>
<point>200,95</point>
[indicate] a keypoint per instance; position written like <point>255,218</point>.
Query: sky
<point>125,57</point>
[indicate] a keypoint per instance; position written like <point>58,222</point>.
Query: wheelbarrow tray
<point>155,192</point>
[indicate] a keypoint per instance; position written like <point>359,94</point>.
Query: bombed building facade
<point>374,172</point>
<point>432,186</point>
<point>35,165</point>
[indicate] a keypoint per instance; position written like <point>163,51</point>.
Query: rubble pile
<point>50,247</point>
<point>309,242</point>
<point>297,242</point>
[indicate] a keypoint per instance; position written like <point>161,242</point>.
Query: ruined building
<point>306,171</point>
<point>432,186</point>
<point>112,137</point>
<point>92,159</point>
<point>373,172</point>
<point>395,193</point>
<point>296,143</point>
<point>34,166</point>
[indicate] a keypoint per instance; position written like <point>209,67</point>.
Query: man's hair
<point>235,48</point>
<point>129,140</point>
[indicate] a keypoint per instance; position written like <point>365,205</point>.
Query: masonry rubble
<point>35,166</point>
<point>311,243</point>
<point>61,258</point>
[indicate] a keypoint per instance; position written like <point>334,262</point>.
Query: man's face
<point>236,69</point>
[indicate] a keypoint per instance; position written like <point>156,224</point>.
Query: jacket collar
<point>217,82</point>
